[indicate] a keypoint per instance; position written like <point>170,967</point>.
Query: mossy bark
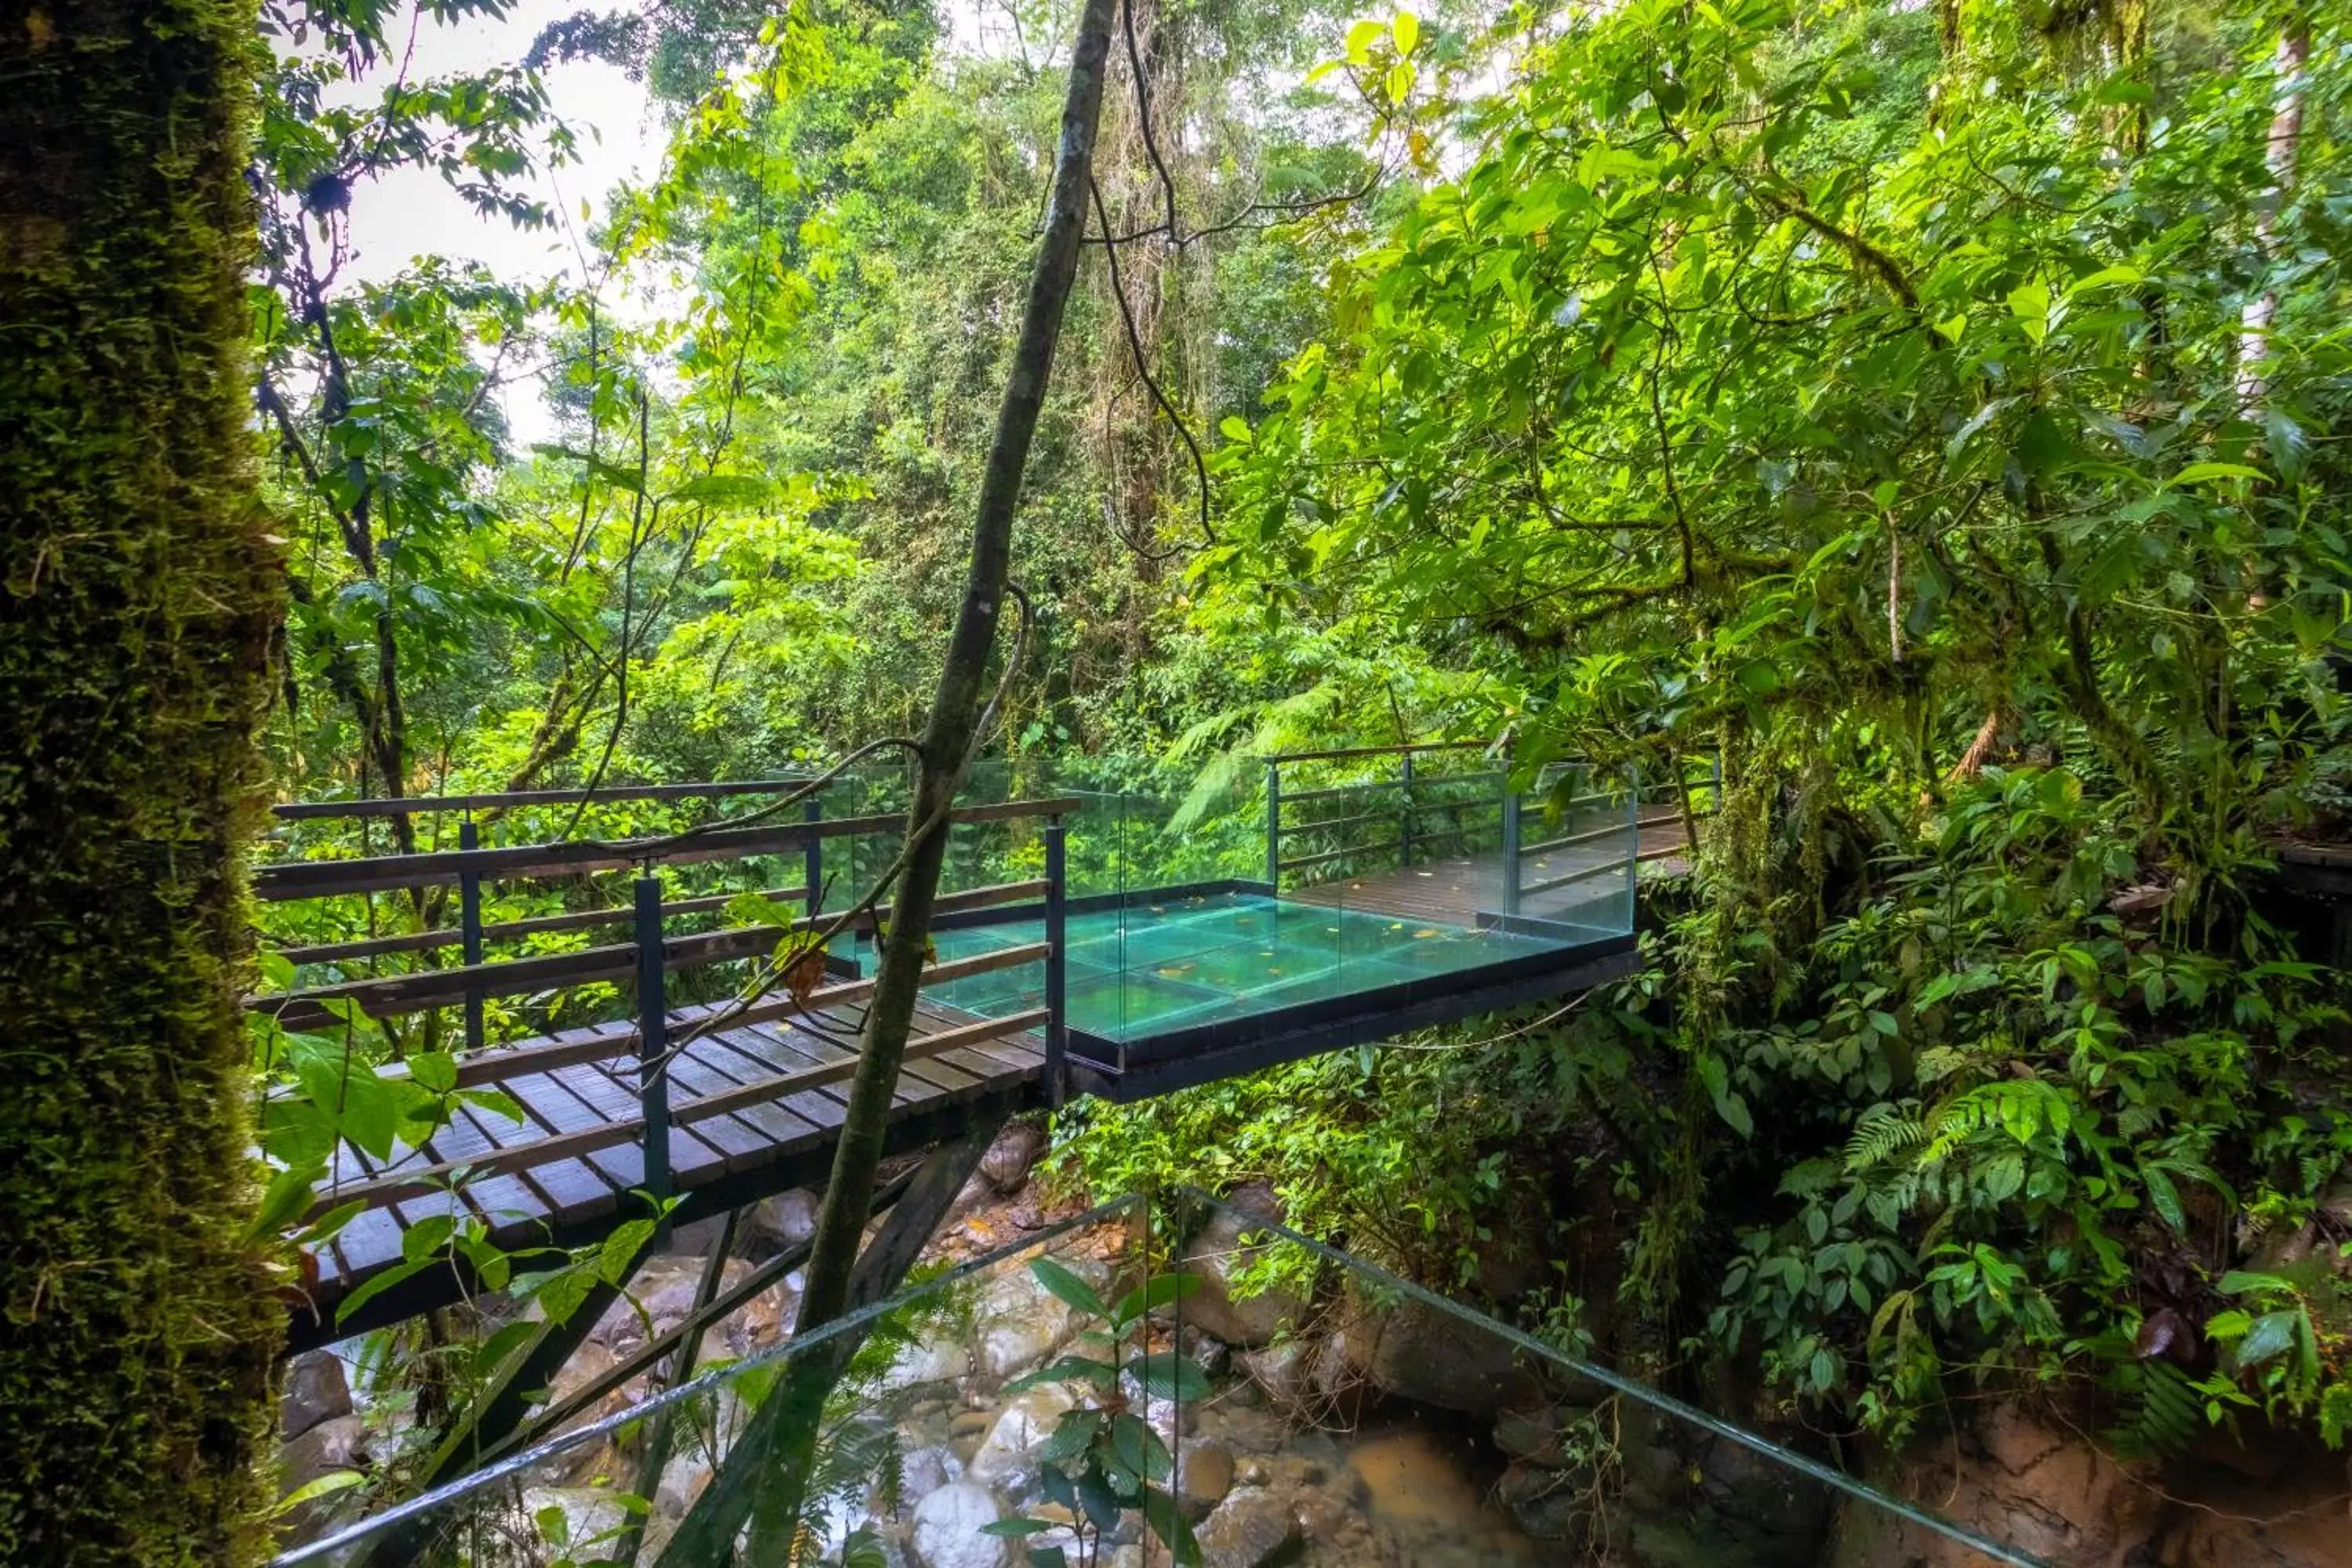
<point>138,601</point>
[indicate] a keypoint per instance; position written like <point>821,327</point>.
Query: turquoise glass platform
<point>1148,967</point>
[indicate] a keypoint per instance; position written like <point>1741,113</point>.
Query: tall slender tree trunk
<point>138,601</point>
<point>956,705</point>
<point>785,1426</point>
<point>2280,154</point>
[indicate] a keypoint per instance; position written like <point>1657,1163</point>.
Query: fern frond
<point>1883,1132</point>
<point>2162,1414</point>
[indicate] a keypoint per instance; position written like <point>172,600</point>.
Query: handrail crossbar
<point>508,930</point>
<point>590,920</point>
<point>332,879</point>
<point>503,800</point>
<point>394,995</point>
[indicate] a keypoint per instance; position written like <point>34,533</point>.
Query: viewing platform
<point>674,1037</point>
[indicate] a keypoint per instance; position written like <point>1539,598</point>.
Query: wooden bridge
<point>1376,905</point>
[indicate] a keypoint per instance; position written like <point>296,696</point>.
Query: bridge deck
<point>562,1178</point>
<point>1458,888</point>
<point>756,1108</point>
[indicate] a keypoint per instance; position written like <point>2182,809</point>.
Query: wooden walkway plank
<point>741,1144</point>
<point>740,1055</point>
<point>1008,1058</point>
<point>780,1129</point>
<point>591,1190</point>
<point>792,1050</point>
<point>510,1204</point>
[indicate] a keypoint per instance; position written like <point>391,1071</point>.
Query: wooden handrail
<point>497,1063</point>
<point>422,805</point>
<point>331,878</point>
<point>507,930</point>
<point>1396,751</point>
<point>588,919</point>
<point>394,995</point>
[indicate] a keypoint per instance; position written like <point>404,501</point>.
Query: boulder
<point>1532,1434</point>
<point>1336,1378</point>
<point>316,1391</point>
<point>1020,1323</point>
<point>1432,1357</point>
<point>1784,1512</point>
<point>1165,1416</point>
<point>1251,1528</point>
<point>925,1471</point>
<point>1204,1475</point>
<point>1217,1254</point>
<point>777,1225</point>
<point>1547,1504</point>
<point>1282,1371</point>
<point>1010,1157</point>
<point>927,1361</point>
<point>697,1237</point>
<point>682,1481</point>
<point>1006,1457</point>
<point>623,1328</point>
<point>2026,1483</point>
<point>335,1443</point>
<point>2319,1537</point>
<point>947,1525</point>
<point>1210,1354</point>
<point>338,1443</point>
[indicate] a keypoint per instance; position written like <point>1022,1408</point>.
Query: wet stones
<point>948,1525</point>
<point>1012,1156</point>
<point>1204,1475</point>
<point>316,1391</point>
<point>1252,1527</point>
<point>1217,1254</point>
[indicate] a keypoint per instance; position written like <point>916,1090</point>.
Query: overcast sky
<point>410,213</point>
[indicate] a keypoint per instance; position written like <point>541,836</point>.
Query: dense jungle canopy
<point>1934,415</point>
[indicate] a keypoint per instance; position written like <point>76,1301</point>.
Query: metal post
<point>1058,1027</point>
<point>1510,846</point>
<point>470,929</point>
<point>652,1035</point>
<point>813,855</point>
<point>1405,826</point>
<point>1273,827</point>
<point>1632,840</point>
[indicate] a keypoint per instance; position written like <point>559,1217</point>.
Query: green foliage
<point>1934,426</point>
<point>1426,1156</point>
<point>1102,1458</point>
<point>1767,383</point>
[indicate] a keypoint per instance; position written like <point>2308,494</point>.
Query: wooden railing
<point>648,955</point>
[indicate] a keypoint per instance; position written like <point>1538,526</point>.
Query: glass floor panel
<point>1147,968</point>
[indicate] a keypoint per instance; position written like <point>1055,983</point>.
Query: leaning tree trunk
<point>137,605</point>
<point>956,705</point>
<point>710,1528</point>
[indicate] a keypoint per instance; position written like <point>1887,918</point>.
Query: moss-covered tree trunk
<point>137,605</point>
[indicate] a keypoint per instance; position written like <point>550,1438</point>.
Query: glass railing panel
<point>935,1443</point>
<point>1351,1417</point>
<point>1578,839</point>
<point>1342,1418</point>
